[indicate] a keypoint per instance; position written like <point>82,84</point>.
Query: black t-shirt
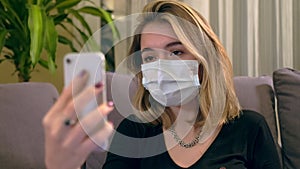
<point>245,142</point>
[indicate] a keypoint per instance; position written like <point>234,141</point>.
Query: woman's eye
<point>176,53</point>
<point>148,59</point>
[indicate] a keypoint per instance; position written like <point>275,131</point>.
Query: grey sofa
<point>23,105</point>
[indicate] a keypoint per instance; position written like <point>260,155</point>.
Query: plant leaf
<point>92,11</point>
<point>66,4</point>
<point>47,2</point>
<point>59,18</point>
<point>104,15</point>
<point>83,35</point>
<point>10,21</point>
<point>51,43</point>
<point>51,65</point>
<point>50,38</point>
<point>64,40</point>
<point>43,63</point>
<point>107,17</point>
<point>72,34</point>
<point>81,20</point>
<point>12,15</point>
<point>49,6</point>
<point>39,2</point>
<point>36,27</point>
<point>3,33</point>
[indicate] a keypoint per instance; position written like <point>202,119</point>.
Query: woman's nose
<point>162,55</point>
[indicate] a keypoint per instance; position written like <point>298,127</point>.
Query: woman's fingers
<point>56,119</point>
<point>74,139</point>
<point>89,124</point>
<point>67,118</point>
<point>63,114</point>
<point>85,101</point>
<point>75,87</point>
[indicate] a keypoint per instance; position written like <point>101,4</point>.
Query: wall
<point>40,74</point>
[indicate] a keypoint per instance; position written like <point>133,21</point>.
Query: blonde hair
<point>217,94</point>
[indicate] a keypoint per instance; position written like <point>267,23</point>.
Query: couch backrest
<point>22,107</point>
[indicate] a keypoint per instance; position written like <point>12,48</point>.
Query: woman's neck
<point>186,115</point>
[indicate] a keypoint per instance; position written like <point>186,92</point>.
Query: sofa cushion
<point>287,87</point>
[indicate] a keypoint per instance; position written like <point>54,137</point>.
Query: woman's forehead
<point>159,29</point>
<point>157,35</point>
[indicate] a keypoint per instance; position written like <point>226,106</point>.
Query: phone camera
<point>68,61</point>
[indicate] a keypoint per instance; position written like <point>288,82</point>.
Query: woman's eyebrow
<point>166,46</point>
<point>147,50</point>
<point>173,44</point>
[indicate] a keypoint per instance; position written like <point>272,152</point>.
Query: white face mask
<point>171,82</point>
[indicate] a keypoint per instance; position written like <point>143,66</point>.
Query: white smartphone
<point>94,64</point>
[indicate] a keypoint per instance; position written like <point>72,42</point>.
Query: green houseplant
<point>29,27</point>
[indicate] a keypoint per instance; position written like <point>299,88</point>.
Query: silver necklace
<point>181,142</point>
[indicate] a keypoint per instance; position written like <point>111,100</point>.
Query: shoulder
<point>248,122</point>
<point>132,126</point>
<point>249,117</point>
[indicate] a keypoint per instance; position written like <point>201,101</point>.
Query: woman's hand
<point>69,140</point>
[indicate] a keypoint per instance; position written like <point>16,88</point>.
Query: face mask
<point>171,82</point>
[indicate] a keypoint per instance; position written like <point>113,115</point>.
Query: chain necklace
<point>181,142</point>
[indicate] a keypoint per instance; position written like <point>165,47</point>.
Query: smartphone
<point>94,64</point>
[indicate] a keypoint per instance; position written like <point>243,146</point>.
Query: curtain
<point>260,36</point>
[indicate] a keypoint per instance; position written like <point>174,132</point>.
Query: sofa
<point>22,106</point>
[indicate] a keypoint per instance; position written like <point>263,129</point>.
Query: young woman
<point>188,114</point>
